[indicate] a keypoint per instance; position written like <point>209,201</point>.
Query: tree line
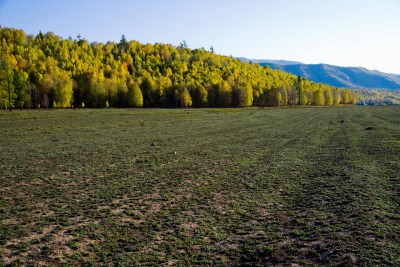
<point>378,97</point>
<point>47,71</point>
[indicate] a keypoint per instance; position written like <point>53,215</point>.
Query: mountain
<point>270,61</point>
<point>349,77</point>
<point>344,77</point>
<point>373,87</point>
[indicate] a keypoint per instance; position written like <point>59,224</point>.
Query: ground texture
<point>218,187</point>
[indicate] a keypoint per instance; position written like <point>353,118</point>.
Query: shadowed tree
<point>123,43</point>
<point>183,44</point>
<point>182,97</point>
<point>21,88</point>
<point>212,49</point>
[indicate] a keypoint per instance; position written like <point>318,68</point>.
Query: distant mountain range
<point>269,61</point>
<point>348,77</point>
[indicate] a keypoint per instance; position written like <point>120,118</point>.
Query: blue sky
<point>340,32</point>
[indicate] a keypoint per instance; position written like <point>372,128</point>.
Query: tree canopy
<point>46,70</point>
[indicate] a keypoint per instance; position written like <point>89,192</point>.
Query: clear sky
<point>340,32</point>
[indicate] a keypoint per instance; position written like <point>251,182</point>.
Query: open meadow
<point>217,187</point>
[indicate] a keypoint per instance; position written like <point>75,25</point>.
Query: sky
<point>363,33</point>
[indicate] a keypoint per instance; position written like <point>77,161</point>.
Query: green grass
<point>306,186</point>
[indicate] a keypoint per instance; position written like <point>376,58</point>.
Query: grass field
<point>305,186</point>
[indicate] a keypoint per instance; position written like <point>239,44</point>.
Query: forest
<point>378,97</point>
<point>47,71</point>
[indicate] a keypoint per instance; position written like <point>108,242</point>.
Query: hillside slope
<point>49,71</point>
<point>347,77</point>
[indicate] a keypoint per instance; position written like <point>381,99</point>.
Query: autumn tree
<point>328,95</point>
<point>182,97</point>
<point>345,96</point>
<point>242,95</point>
<point>7,89</point>
<point>337,98</point>
<point>318,98</point>
<point>21,88</point>
<point>135,97</point>
<point>62,89</point>
<point>224,93</point>
<point>354,98</point>
<point>200,96</point>
<point>96,93</point>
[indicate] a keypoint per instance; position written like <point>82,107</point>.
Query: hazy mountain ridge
<point>272,61</point>
<point>372,86</point>
<point>345,77</point>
